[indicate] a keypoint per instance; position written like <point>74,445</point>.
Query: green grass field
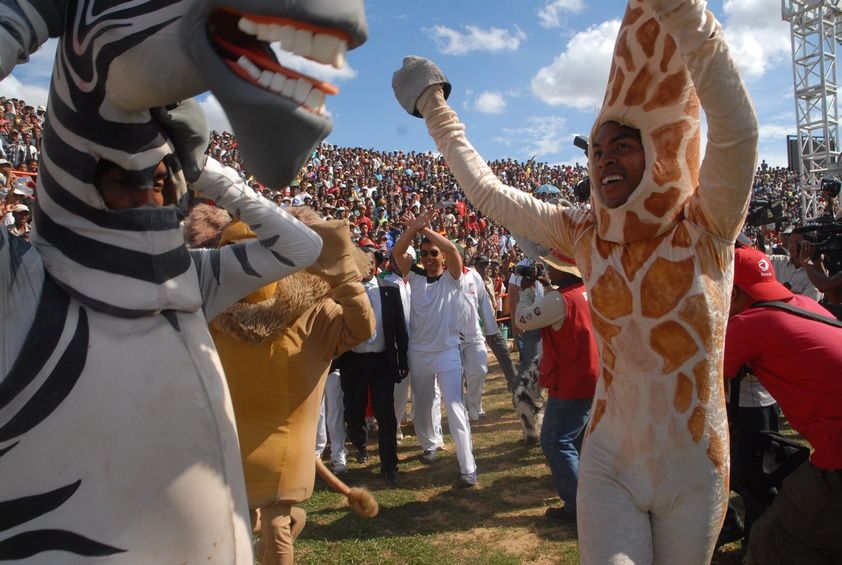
<point>424,520</point>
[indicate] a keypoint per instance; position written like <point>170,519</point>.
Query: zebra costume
<point>117,438</point>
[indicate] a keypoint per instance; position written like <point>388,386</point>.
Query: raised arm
<point>21,280</point>
<point>731,153</point>
<point>548,310</point>
<point>24,27</point>
<point>283,245</point>
<point>418,86</point>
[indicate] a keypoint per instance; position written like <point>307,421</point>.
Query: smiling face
<point>432,259</point>
<point>619,162</point>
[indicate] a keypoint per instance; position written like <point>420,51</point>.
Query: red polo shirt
<point>570,363</point>
<point>799,361</point>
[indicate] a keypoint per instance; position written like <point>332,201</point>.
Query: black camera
<point>831,185</point>
<point>828,241</point>
<point>531,271</point>
<point>762,212</point>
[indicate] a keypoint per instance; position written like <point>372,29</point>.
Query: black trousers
<point>358,372</point>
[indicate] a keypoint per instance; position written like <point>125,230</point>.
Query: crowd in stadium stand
<point>373,189</point>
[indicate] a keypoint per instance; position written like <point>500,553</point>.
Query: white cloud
<point>776,132</point>
<point>758,37</point>
<point>216,115</point>
<point>541,136</point>
<point>550,14</point>
<point>490,103</point>
<point>11,87</point>
<point>452,42</point>
<point>577,77</point>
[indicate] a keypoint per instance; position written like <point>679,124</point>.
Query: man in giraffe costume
<point>656,254</point>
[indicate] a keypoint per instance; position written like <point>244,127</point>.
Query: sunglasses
<point>430,252</point>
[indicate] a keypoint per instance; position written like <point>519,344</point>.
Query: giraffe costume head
<point>650,89</point>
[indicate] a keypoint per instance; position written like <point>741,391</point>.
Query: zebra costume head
<point>123,77</point>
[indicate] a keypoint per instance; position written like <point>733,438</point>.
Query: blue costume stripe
<point>41,340</point>
<point>20,510</point>
<point>32,543</point>
<point>57,386</point>
<point>101,256</point>
<point>135,219</point>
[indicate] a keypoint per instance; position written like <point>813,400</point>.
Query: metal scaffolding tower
<point>815,30</point>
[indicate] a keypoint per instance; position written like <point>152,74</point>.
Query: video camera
<point>531,271</point>
<point>762,212</point>
<point>827,236</point>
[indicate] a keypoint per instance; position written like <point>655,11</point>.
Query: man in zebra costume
<point>117,438</point>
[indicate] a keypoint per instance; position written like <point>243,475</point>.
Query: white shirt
<point>480,320</point>
<point>435,311</point>
<point>794,277</point>
<point>376,343</point>
<point>406,294</point>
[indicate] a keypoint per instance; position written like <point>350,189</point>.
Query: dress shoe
<point>362,456</point>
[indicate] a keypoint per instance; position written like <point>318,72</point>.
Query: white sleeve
<point>534,314</point>
<point>283,245</point>
<point>21,280</point>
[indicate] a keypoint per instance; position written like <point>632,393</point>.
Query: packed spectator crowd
<point>374,190</point>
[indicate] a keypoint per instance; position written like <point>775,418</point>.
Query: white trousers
<point>444,368</point>
<point>475,364</point>
<point>332,422</point>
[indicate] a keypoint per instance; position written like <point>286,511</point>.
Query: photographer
<point>790,270</point>
<point>523,277</point>
<point>829,285</point>
<point>792,346</point>
<point>568,368</point>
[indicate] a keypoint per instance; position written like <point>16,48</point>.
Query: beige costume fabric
<point>276,346</point>
<point>654,469</point>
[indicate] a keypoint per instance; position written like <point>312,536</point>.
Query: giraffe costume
<point>654,470</point>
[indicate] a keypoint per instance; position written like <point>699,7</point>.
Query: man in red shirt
<point>799,361</point>
<point>568,369</point>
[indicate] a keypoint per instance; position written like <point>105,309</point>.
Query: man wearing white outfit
<point>437,302</point>
<point>332,424</point>
<point>479,315</point>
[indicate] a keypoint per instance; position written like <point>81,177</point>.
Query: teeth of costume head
<point>299,90</point>
<point>321,47</point>
<point>252,69</point>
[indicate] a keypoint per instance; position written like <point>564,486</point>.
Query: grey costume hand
<point>415,76</point>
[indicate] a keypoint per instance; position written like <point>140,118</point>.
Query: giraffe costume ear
<point>650,89</point>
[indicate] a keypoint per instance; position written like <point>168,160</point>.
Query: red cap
<point>754,274</point>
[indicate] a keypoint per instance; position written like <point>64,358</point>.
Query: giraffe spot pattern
<point>608,357</point>
<point>603,247</point>
<point>669,91</point>
<point>668,139</point>
<point>636,94</point>
<point>636,254</point>
<point>611,296</point>
<point>696,424</point>
<point>659,203</point>
<point>604,220</point>
<point>631,16</point>
<point>669,50</point>
<point>646,36</point>
<point>598,411</point>
<point>702,374</point>
<point>681,236</point>
<point>637,230</point>
<point>622,51</point>
<point>672,342</point>
<point>607,378</point>
<point>693,107</point>
<point>683,393</point>
<point>710,263</point>
<point>619,80</point>
<point>664,285</point>
<point>717,452</point>
<point>695,311</point>
<point>693,158</point>
<point>606,330</point>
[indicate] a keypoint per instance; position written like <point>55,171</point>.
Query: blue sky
<point>527,75</point>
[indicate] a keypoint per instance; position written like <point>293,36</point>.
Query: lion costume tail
<point>361,501</point>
